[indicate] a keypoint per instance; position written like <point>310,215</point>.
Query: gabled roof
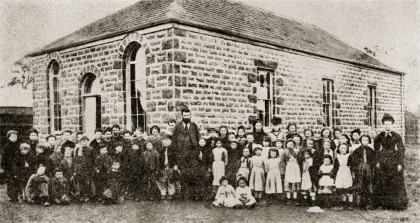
<point>224,16</point>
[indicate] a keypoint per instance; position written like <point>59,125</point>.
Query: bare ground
<point>177,211</point>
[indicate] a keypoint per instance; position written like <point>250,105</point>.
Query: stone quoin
<point>227,62</point>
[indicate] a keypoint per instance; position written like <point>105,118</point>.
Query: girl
<point>243,193</point>
<point>362,162</point>
<point>292,175</point>
<point>220,160</point>
<point>282,156</point>
<point>344,138</point>
<point>372,134</point>
<point>292,129</point>
<point>326,182</point>
<point>307,186</point>
<point>258,132</point>
<point>326,135</point>
<point>307,133</point>
<point>265,148</point>
<point>355,140</point>
<point>276,133</point>
<point>225,196</point>
<point>155,137</point>
<point>257,179</point>
<point>336,136</point>
<point>327,148</point>
<point>224,136</point>
<point>244,164</point>
<point>343,180</point>
<point>274,183</point>
<point>211,140</point>
<point>240,136</point>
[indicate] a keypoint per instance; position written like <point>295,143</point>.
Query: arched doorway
<point>91,104</point>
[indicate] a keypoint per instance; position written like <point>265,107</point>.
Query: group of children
<point>273,166</point>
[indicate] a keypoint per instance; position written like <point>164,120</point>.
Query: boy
<point>33,141</point>
<point>113,192</point>
<point>167,160</point>
<point>67,164</point>
<point>60,188</point>
<point>83,168</point>
<point>211,141</point>
<point>103,164</point>
<point>95,144</point>
<point>42,160</point>
<point>10,151</point>
<point>37,188</point>
<point>150,163</point>
<point>21,171</point>
<point>67,140</point>
<point>139,140</point>
<point>52,141</point>
<point>56,157</point>
<point>134,171</point>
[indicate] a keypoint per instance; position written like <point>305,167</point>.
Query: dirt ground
<point>177,211</point>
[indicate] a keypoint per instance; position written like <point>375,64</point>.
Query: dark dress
<point>259,136</point>
<point>232,166</point>
<point>10,152</point>
<point>389,191</point>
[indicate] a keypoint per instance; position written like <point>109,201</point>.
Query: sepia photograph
<point>204,111</point>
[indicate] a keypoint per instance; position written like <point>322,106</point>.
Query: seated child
<point>113,193</point>
<point>60,188</point>
<point>37,188</point>
<point>243,193</point>
<point>225,196</point>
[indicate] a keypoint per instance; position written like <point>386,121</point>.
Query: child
<point>155,137</point>
<point>67,164</point>
<point>306,185</point>
<point>56,157</point>
<point>326,183</point>
<point>336,136</point>
<point>326,136</point>
<point>167,160</point>
<point>244,164</point>
<point>282,155</point>
<point>258,132</point>
<point>266,148</point>
<point>250,142</point>
<point>292,129</point>
<point>276,133</point>
<point>363,160</point>
<point>204,171</point>
<point>327,149</point>
<point>224,136</point>
<point>83,169</point>
<point>135,156</point>
<point>257,178</point>
<point>243,193</point>
<point>113,192</point>
<point>150,163</point>
<point>225,196</point>
<point>60,188</point>
<point>355,140</point>
<point>307,134</point>
<point>34,141</point>
<point>220,160</point>
<point>292,176</point>
<point>10,151</point>
<point>313,169</point>
<point>21,172</point>
<point>37,188</point>
<point>343,180</point>
<point>211,141</point>
<point>96,142</point>
<point>103,163</point>
<point>52,141</point>
<point>241,137</point>
<point>274,183</point>
<point>41,159</point>
<point>234,156</point>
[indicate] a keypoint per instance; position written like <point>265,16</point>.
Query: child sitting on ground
<point>225,196</point>
<point>243,193</point>
<point>37,188</point>
<point>60,188</point>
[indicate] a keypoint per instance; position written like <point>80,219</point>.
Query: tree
<point>21,74</point>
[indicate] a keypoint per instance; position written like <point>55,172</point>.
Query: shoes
<point>47,203</point>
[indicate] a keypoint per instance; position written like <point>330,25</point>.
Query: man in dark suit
<point>185,140</point>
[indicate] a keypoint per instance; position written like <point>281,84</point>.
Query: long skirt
<point>344,179</point>
<point>274,184</point>
<point>218,171</point>
<point>306,181</point>
<point>256,179</point>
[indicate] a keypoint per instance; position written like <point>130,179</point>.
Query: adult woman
<point>389,186</point>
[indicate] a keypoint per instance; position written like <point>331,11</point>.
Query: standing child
<point>220,160</point>
<point>314,168</point>
<point>113,193</point>
<point>67,164</point>
<point>135,156</point>
<point>151,170</point>
<point>243,193</point>
<point>234,157</point>
<point>344,180</point>
<point>276,133</point>
<point>258,132</point>
<point>241,136</point>
<point>34,141</point>
<point>60,188</point>
<point>363,161</point>
<point>167,161</point>
<point>291,130</point>
<point>103,163</point>
<point>21,172</point>
<point>37,188</point>
<point>83,169</point>
<point>40,159</point>
<point>326,183</point>
<point>265,147</point>
<point>225,196</point>
<point>355,140</point>
<point>274,183</point>
<point>292,176</point>
<point>250,142</point>
<point>56,157</point>
<point>307,188</point>
<point>257,178</point>
<point>224,136</point>
<point>244,164</point>
<point>204,167</point>
<point>96,142</point>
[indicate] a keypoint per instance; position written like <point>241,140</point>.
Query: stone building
<point>228,62</point>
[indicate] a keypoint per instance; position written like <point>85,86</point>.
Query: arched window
<point>54,113</point>
<point>90,99</point>
<point>135,87</point>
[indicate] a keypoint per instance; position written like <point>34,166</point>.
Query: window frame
<point>54,105</point>
<point>372,106</point>
<point>327,102</point>
<point>269,109</point>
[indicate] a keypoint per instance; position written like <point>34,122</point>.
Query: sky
<point>392,28</point>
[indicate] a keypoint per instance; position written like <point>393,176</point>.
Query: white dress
<point>344,179</point>
<point>218,166</point>
<point>257,179</point>
<point>244,168</point>
<point>273,184</point>
<point>326,180</point>
<point>226,197</point>
<point>245,193</point>
<point>292,174</point>
<point>306,177</point>
<point>265,152</point>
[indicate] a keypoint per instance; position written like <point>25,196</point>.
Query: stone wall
<point>213,75</point>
